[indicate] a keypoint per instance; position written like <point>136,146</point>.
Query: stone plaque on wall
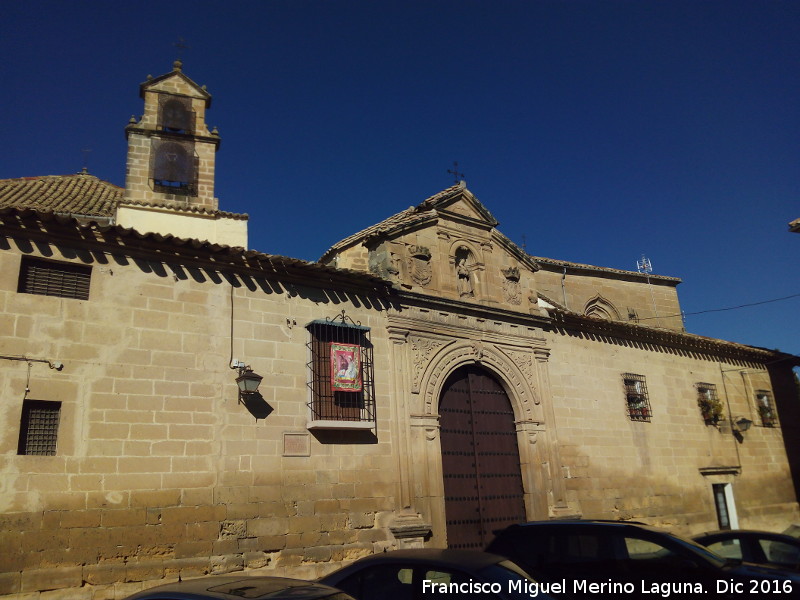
<point>296,444</point>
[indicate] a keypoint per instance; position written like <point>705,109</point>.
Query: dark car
<point>762,547</point>
<point>415,574</point>
<point>234,587</point>
<point>605,559</point>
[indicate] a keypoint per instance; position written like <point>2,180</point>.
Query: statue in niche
<point>464,279</point>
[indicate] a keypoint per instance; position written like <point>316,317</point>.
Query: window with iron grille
<point>636,397</point>
<point>175,114</point>
<point>341,375</point>
<point>173,165</point>
<point>709,403</point>
<point>38,432</point>
<point>51,278</point>
<point>766,410</point>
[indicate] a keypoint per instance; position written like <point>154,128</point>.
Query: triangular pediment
<point>175,82</point>
<point>459,203</point>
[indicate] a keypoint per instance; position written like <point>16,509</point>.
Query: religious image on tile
<point>346,367</point>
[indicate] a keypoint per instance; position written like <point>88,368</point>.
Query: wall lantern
<point>742,424</point>
<point>248,380</point>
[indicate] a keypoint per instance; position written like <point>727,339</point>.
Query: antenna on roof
<point>643,265</point>
<point>454,172</point>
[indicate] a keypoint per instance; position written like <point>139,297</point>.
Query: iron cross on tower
<point>181,46</point>
<point>454,172</point>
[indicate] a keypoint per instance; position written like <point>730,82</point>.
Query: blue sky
<point>594,131</point>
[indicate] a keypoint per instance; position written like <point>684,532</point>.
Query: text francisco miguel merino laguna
<point>581,586</point>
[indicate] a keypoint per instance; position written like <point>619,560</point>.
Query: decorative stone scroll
<point>524,361</point>
<point>419,265</point>
<point>512,290</point>
<point>422,348</point>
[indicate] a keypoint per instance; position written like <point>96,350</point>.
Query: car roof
<point>740,532</point>
<point>226,587</point>
<point>555,523</point>
<point>475,559</point>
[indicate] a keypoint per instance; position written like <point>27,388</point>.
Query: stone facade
<point>158,468</point>
<point>160,471</point>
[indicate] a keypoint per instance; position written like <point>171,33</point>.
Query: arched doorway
<point>480,458</point>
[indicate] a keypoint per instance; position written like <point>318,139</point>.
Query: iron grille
<point>765,408</point>
<point>175,114</point>
<point>49,278</point>
<point>638,403</point>
<point>327,403</point>
<point>174,167</point>
<point>38,431</point>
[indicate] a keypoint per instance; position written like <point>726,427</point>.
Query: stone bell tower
<point>169,182</point>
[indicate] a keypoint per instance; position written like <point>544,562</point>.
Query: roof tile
<point>78,194</point>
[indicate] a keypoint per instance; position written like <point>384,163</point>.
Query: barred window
<point>709,403</point>
<point>174,166</point>
<point>341,375</point>
<point>766,409</point>
<point>175,114</point>
<point>636,398</point>
<point>38,430</point>
<point>51,278</point>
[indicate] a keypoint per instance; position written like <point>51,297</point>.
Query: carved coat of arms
<point>419,265</point>
<point>512,290</point>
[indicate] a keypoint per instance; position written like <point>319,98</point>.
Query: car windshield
<point>696,548</point>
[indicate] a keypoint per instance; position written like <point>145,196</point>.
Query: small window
<point>766,410</point>
<point>721,504</point>
<point>51,278</point>
<point>38,432</point>
<point>340,375</point>
<point>709,403</point>
<point>636,397</point>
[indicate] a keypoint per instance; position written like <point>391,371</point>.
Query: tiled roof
<point>79,194</point>
<point>173,248</point>
<point>584,267</point>
<point>190,209</point>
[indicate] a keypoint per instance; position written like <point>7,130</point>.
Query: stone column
<point>559,504</point>
<point>407,526</point>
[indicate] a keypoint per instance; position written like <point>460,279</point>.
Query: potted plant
<point>710,408</point>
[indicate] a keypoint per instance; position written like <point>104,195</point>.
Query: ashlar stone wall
<point>160,471</point>
<point>661,471</point>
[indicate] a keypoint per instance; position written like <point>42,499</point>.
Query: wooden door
<point>480,459</point>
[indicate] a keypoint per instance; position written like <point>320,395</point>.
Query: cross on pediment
<point>454,172</point>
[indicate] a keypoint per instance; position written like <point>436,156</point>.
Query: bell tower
<point>169,180</point>
<point>170,150</point>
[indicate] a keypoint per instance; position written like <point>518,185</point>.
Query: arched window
<point>601,308</point>
<point>174,167</point>
<point>176,115</point>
